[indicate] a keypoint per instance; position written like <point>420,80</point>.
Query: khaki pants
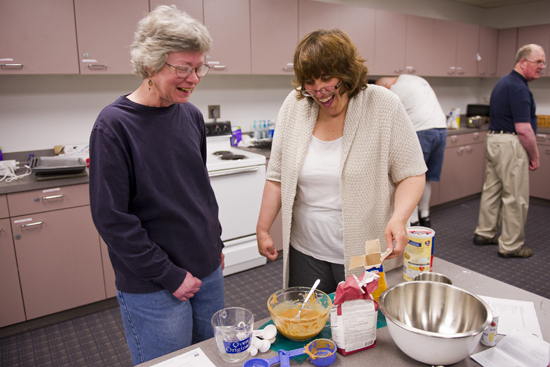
<point>505,195</point>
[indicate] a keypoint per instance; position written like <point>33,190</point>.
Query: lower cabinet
<point>539,179</point>
<point>59,260</point>
<point>108,272</point>
<point>11,301</point>
<point>463,167</point>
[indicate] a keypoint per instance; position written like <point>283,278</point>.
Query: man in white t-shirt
<point>430,124</point>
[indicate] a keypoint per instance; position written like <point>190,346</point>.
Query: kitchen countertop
<point>30,183</point>
<point>386,353</point>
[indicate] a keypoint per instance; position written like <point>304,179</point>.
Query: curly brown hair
<point>330,52</point>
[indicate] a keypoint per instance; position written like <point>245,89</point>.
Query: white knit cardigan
<point>380,147</point>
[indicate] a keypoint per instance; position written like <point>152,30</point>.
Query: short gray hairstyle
<point>163,31</point>
<point>525,51</point>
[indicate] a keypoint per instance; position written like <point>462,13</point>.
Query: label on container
<point>489,335</point>
<point>235,347</point>
<point>418,254</point>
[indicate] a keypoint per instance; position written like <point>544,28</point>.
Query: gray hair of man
<point>163,31</point>
<point>525,51</point>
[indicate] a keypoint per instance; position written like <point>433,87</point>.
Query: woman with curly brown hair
<point>345,167</point>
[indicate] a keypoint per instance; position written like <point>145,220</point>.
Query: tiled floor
<point>97,339</point>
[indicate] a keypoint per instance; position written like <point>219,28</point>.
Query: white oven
<point>238,179</point>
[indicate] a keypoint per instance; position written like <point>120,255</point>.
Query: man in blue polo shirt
<point>511,151</point>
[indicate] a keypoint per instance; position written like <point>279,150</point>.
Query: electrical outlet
<point>214,112</point>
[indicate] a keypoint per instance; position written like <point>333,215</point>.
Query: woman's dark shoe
<point>484,241</point>
<point>426,222</point>
<point>522,252</point>
<point>415,224</point>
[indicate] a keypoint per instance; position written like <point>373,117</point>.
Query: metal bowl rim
<point>486,323</point>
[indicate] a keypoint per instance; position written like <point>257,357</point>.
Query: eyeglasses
<point>184,71</point>
<point>324,90</point>
<point>540,63</point>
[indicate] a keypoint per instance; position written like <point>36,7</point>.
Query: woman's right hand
<point>265,246</point>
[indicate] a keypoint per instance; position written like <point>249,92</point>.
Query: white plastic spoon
<point>308,295</point>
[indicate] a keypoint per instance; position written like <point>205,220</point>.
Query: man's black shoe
<point>484,241</point>
<point>426,222</point>
<point>415,224</point>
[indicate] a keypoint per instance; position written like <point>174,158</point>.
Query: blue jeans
<point>433,143</point>
<point>158,323</point>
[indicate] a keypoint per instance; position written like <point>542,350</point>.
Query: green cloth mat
<point>282,342</point>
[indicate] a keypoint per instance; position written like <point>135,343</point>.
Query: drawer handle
<point>541,137</point>
<point>288,68</point>
<point>97,66</point>
<point>52,197</point>
<point>469,148</point>
<point>454,138</point>
<point>476,136</point>
<point>31,225</point>
<point>218,67</point>
<point>398,71</point>
<point>233,171</point>
<point>11,66</point>
<point>460,150</point>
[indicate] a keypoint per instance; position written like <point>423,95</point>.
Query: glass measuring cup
<point>233,332</point>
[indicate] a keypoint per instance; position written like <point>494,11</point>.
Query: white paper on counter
<point>514,315</point>
<point>517,349</point>
<point>193,358</point>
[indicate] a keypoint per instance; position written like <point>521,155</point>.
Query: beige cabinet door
<point>105,32</point>
<point>463,167</point>
<point>228,22</point>
<point>419,46</point>
<point>390,43</point>
<point>507,48</point>
<point>11,301</point>
<point>38,37</point>
<point>539,179</point>
<point>192,7</point>
<point>467,46</point>
<point>274,36</point>
<point>4,213</point>
<point>357,22</point>
<point>538,34</point>
<point>59,260</point>
<point>488,48</point>
<point>108,272</point>
<point>444,48</point>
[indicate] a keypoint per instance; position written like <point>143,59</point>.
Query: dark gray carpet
<point>97,339</point>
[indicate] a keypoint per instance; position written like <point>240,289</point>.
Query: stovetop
<point>218,139</point>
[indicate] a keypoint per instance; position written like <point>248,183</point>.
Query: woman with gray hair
<point>150,193</point>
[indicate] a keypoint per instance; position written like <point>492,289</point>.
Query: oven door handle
<point>233,171</point>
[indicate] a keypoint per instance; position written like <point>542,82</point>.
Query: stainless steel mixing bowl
<point>434,323</point>
<point>432,277</point>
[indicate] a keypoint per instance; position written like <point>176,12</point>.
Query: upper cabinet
<point>105,32</point>
<point>228,22</point>
<point>455,49</point>
<point>38,37</point>
<point>274,35</point>
<point>538,34</point>
<point>507,48</point>
<point>488,48</point>
<point>390,42</point>
<point>419,45</point>
<point>192,7</point>
<point>357,22</point>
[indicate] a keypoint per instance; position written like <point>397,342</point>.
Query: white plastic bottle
<point>256,130</point>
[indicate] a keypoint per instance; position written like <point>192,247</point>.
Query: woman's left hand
<point>396,231</point>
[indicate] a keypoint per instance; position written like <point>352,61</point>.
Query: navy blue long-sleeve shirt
<point>151,197</point>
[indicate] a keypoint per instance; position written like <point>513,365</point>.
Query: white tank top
<point>317,228</point>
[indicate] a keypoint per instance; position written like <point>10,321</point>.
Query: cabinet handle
<point>460,150</point>
<point>541,137</point>
<point>11,66</point>
<point>97,66</point>
<point>476,136</point>
<point>450,72</point>
<point>288,68</point>
<point>469,148</point>
<point>454,139</point>
<point>233,171</point>
<point>52,197</point>
<point>218,67</point>
<point>460,72</point>
<point>398,71</point>
<point>481,73</point>
<point>31,225</point>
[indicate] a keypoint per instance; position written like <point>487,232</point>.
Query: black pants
<point>305,270</point>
